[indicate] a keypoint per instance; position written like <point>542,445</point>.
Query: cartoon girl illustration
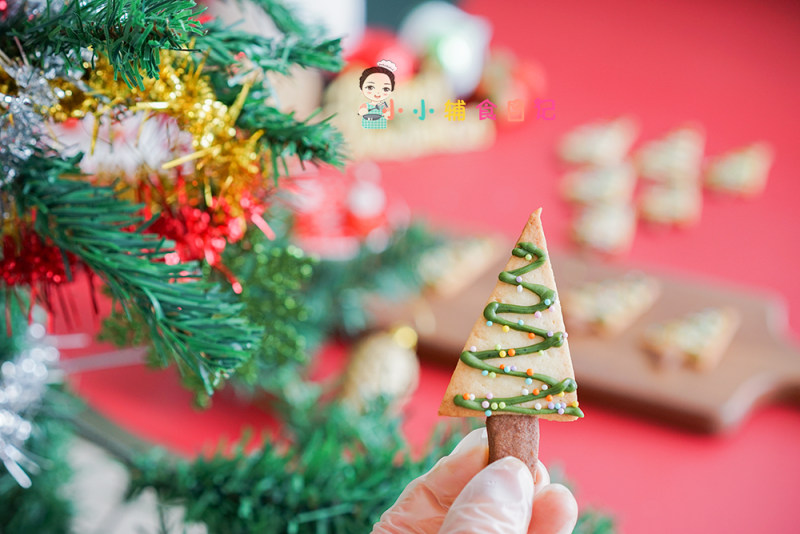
<point>377,84</point>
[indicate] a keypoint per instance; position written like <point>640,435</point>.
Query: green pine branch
<point>223,43</point>
<point>340,473</point>
<point>274,276</point>
<point>130,33</point>
<point>343,286</point>
<point>284,17</point>
<point>195,324</point>
<point>286,137</point>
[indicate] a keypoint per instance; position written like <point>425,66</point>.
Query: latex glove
<point>461,494</point>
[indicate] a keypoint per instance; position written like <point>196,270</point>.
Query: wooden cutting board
<point>761,364</point>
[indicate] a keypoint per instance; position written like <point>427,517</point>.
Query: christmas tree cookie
<point>610,306</point>
<point>742,171</point>
<point>515,366</point>
<point>697,340</point>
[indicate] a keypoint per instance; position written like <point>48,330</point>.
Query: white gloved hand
<point>462,495</point>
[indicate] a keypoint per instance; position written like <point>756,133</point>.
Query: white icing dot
<point>538,405</point>
<point>519,289</point>
<point>525,391</point>
<point>545,386</point>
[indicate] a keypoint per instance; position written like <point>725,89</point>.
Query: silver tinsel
<point>23,383</point>
<point>23,121</point>
<point>24,115</point>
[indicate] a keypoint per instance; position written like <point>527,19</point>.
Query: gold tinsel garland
<point>227,163</point>
<point>226,160</point>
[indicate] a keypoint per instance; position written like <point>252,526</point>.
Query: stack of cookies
<point>603,186</point>
<point>672,165</point>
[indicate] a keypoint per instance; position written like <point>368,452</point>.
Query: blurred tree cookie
<point>607,184</point>
<point>516,365</point>
<point>697,340</point>
<point>605,228</point>
<point>742,172</point>
<point>675,158</point>
<point>599,143</point>
<point>674,204</point>
<point>610,306</point>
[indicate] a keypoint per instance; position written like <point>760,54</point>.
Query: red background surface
<point>732,65</point>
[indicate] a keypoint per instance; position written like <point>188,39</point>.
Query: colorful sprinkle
<point>538,405</point>
<point>545,386</point>
<point>492,374</point>
<point>561,411</point>
<point>513,367</point>
<point>488,413</point>
<point>531,335</point>
<point>561,394</point>
<point>489,323</point>
<point>471,396</point>
<point>494,406</point>
<point>529,372</point>
<point>485,404</point>
<point>498,346</point>
<point>502,405</point>
<point>502,354</point>
<point>528,257</point>
<point>518,279</point>
<point>550,406</point>
<point>484,372</point>
<point>505,328</point>
<point>549,333</point>
<point>551,308</point>
<point>574,404</point>
<point>537,314</point>
<point>529,381</point>
<point>547,302</point>
<point>489,396</point>
<point>507,369</point>
<point>521,322</point>
<point>512,352</point>
<point>565,335</point>
<point>502,366</point>
<point>549,398</point>
<point>466,396</point>
<point>536,391</point>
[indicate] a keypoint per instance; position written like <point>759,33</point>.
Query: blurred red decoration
<point>28,261</point>
<point>383,44</point>
<point>336,213</point>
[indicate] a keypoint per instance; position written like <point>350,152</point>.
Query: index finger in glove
<point>423,504</point>
<point>497,501</point>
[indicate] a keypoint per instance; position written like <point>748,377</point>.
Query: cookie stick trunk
<point>514,435</point>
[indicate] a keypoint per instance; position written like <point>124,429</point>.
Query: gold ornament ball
<point>382,364</point>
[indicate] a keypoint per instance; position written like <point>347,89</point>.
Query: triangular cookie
<point>743,171</point>
<point>698,340</point>
<point>609,306</point>
<point>516,359</point>
<point>674,158</point>
<point>599,143</point>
